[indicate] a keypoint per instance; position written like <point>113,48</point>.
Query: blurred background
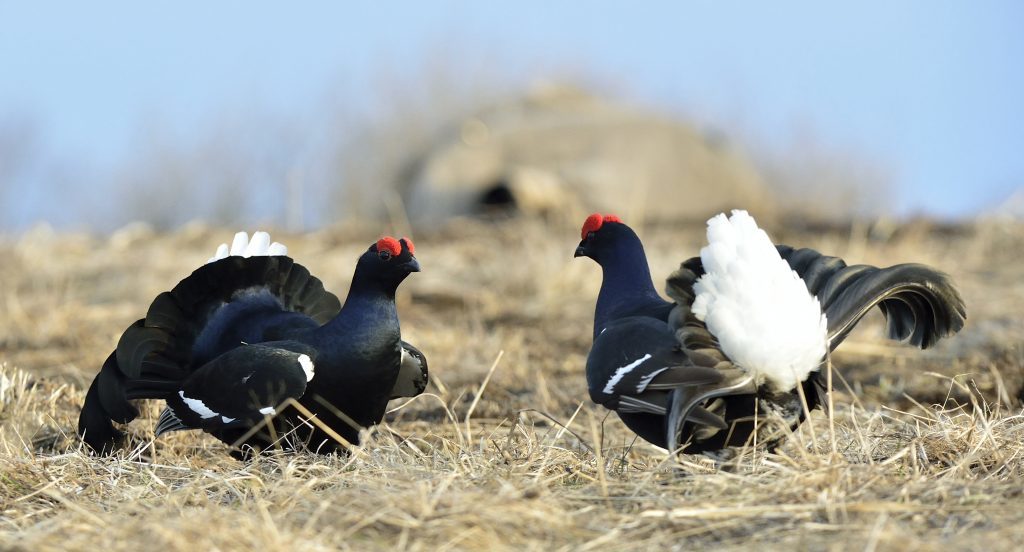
<point>304,115</point>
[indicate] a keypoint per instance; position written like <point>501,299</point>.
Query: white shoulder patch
<point>307,366</point>
<point>609,387</point>
<point>242,246</point>
<point>268,410</point>
<point>197,406</point>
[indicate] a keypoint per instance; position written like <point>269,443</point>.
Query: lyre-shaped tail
<point>920,304</point>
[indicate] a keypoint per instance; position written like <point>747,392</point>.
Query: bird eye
<point>590,235</point>
<point>384,254</point>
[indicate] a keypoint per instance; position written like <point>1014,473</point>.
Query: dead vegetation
<point>505,451</point>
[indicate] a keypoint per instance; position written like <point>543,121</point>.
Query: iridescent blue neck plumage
<point>627,288</point>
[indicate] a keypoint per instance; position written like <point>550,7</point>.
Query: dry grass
<point>524,462</point>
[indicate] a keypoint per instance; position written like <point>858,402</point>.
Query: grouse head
<point>602,237</point>
<point>388,262</point>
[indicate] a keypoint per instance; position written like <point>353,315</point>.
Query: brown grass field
<point>924,450</point>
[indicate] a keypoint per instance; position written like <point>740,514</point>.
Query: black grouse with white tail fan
<point>251,329</point>
<point>732,361</point>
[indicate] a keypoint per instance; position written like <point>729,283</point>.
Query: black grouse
<point>251,329</point>
<point>751,322</point>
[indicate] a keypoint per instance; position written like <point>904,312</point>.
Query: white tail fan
<point>242,246</point>
<point>757,306</point>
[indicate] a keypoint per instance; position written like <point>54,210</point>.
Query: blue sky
<point>933,91</point>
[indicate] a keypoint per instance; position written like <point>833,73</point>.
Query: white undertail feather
<point>242,246</point>
<point>757,306</point>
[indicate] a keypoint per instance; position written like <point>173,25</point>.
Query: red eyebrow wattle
<point>592,224</point>
<point>389,244</point>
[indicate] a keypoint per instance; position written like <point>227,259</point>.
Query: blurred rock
<point>559,151</point>
<point>131,235</point>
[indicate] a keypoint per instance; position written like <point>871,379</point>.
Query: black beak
<point>580,251</point>
<point>413,265</point>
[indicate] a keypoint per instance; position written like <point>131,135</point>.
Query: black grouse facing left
<point>251,329</point>
<point>735,359</point>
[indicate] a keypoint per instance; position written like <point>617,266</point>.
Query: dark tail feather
<point>920,304</point>
<point>109,400</point>
<point>95,422</point>
<point>110,388</point>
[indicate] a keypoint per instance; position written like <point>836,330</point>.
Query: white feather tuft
<point>307,366</point>
<point>277,249</point>
<point>757,306</point>
<point>239,244</point>
<point>242,246</point>
<point>258,244</point>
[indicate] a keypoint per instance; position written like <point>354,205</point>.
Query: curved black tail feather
<point>105,403</point>
<point>920,304</point>
<point>142,376</point>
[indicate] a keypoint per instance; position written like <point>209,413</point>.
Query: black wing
<point>412,375</point>
<point>635,366</point>
<point>239,387</point>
